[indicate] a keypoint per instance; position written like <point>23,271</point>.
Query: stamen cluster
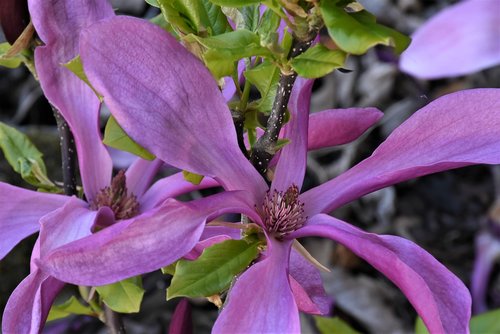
<point>116,197</point>
<point>282,212</point>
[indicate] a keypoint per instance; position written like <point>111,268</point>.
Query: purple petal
<point>140,175</point>
<point>181,322</point>
<point>340,126</point>
<point>59,23</point>
<point>171,187</point>
<point>439,297</point>
<point>456,130</point>
<point>166,100</point>
<point>29,305</point>
<point>461,39</point>
<point>307,286</point>
<point>20,213</point>
<point>487,253</point>
<point>291,166</point>
<point>203,244</point>
<point>261,300</point>
<point>142,244</point>
<point>71,222</point>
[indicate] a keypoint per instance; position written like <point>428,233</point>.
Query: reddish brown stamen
<point>116,197</point>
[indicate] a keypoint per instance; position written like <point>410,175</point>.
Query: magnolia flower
<point>459,40</point>
<point>175,110</point>
<point>121,200</point>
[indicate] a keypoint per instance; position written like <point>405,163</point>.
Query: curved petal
<point>171,187</point>
<point>166,100</point>
<point>334,127</point>
<point>141,244</point>
<point>456,130</point>
<point>140,175</point>
<point>20,213</point>
<point>439,297</point>
<point>29,305</point>
<point>181,322</point>
<point>71,222</point>
<point>59,23</point>
<point>461,39</point>
<point>261,300</point>
<point>487,253</point>
<point>307,286</point>
<point>291,166</point>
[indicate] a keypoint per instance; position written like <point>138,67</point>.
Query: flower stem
<point>265,148</point>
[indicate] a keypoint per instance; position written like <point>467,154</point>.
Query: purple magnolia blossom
<point>177,112</point>
<point>461,39</point>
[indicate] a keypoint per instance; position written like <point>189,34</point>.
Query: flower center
<point>116,197</point>
<point>282,212</point>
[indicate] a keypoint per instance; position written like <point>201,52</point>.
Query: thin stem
<point>68,155</point>
<point>113,321</point>
<point>265,148</point>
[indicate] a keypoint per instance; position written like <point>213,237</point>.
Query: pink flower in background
<point>459,40</point>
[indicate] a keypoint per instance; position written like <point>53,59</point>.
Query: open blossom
<point>177,112</point>
<point>459,40</point>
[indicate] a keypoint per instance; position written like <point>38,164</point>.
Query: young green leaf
<point>115,137</point>
<point>318,61</point>
<point>214,270</point>
<point>251,16</point>
<point>333,326</point>
<point>265,78</point>
<point>153,3</point>
<point>10,62</point>
<point>124,296</point>
<point>24,157</point>
<point>359,31</point>
<point>69,307</point>
<point>234,3</point>
<point>75,65</point>
<point>192,177</point>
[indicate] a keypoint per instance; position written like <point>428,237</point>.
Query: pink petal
<point>142,244</point>
<point>307,286</point>
<point>438,296</point>
<point>140,175</point>
<point>166,100</point>
<point>456,130</point>
<point>340,126</point>
<point>291,166</point>
<point>20,213</point>
<point>59,23</point>
<point>29,305</point>
<point>487,254</point>
<point>461,39</point>
<point>261,300</point>
<point>182,322</point>
<point>171,187</point>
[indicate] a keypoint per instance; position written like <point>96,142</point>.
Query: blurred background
<point>442,213</point>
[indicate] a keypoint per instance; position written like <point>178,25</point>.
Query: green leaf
<point>251,16</point>
<point>153,3</point>
<point>214,270</point>
<point>234,3</point>
<point>115,136</point>
<point>69,307</point>
<point>192,177</point>
<point>267,30</point>
<point>484,323</point>
<point>24,157</point>
<point>223,51</point>
<point>333,326</point>
<point>10,62</point>
<point>170,269</point>
<point>124,296</point>
<point>357,32</point>
<point>265,78</point>
<point>200,17</point>
<point>75,65</point>
<point>318,61</point>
